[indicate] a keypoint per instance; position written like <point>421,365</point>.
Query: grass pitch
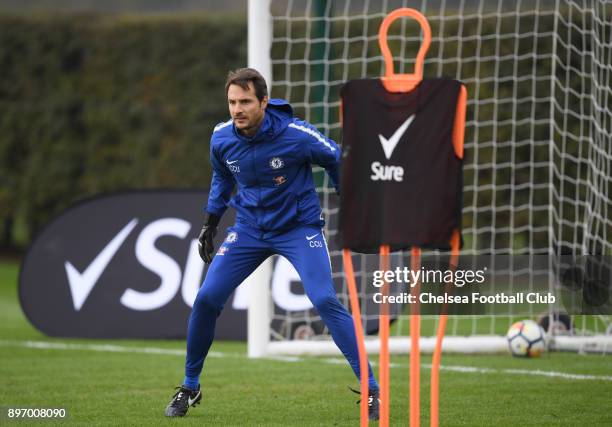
<point>127,382</point>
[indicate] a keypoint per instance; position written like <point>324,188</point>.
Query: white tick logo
<point>194,400</point>
<point>81,284</point>
<point>314,243</point>
<point>232,167</point>
<point>389,145</point>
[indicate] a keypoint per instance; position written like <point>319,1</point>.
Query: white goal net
<point>538,141</point>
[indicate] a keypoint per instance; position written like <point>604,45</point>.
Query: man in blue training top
<point>268,154</point>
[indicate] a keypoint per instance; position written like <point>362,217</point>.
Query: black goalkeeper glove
<point>206,246</point>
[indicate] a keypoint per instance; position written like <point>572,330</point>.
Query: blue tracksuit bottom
<point>241,253</point>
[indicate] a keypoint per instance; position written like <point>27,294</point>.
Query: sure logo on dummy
<point>390,172</point>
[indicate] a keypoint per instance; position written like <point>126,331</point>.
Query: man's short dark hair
<point>242,76</point>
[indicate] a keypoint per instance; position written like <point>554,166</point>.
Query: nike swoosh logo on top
<point>192,401</point>
<point>231,163</point>
<point>312,237</point>
<point>81,284</point>
<point>389,145</point>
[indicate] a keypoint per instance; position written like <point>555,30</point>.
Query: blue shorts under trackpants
<point>241,253</point>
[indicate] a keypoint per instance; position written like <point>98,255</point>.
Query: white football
<point>526,339</point>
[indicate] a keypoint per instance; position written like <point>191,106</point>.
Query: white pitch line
<point>46,345</point>
<point>527,372</point>
<point>558,374</point>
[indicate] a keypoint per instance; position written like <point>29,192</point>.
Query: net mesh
<point>538,141</point>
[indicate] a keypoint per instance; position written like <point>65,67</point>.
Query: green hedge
<point>92,103</point>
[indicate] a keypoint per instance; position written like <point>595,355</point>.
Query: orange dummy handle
<point>403,82</point>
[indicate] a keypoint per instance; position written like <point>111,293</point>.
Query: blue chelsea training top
<point>272,170</point>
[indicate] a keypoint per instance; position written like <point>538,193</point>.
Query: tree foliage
<point>93,103</point>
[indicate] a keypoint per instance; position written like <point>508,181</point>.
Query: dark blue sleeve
<point>221,185</point>
<point>321,151</point>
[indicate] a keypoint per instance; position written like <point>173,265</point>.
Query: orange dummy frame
<point>403,83</point>
<point>356,311</point>
<point>455,244</point>
<point>383,332</point>
<point>392,83</point>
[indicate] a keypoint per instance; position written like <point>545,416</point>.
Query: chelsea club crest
<point>276,163</point>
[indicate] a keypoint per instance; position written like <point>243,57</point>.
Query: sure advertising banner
<point>123,265</point>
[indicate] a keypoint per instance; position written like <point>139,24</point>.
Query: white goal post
<point>538,143</point>
<point>258,319</point>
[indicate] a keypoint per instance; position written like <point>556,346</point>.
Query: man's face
<point>246,110</point>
